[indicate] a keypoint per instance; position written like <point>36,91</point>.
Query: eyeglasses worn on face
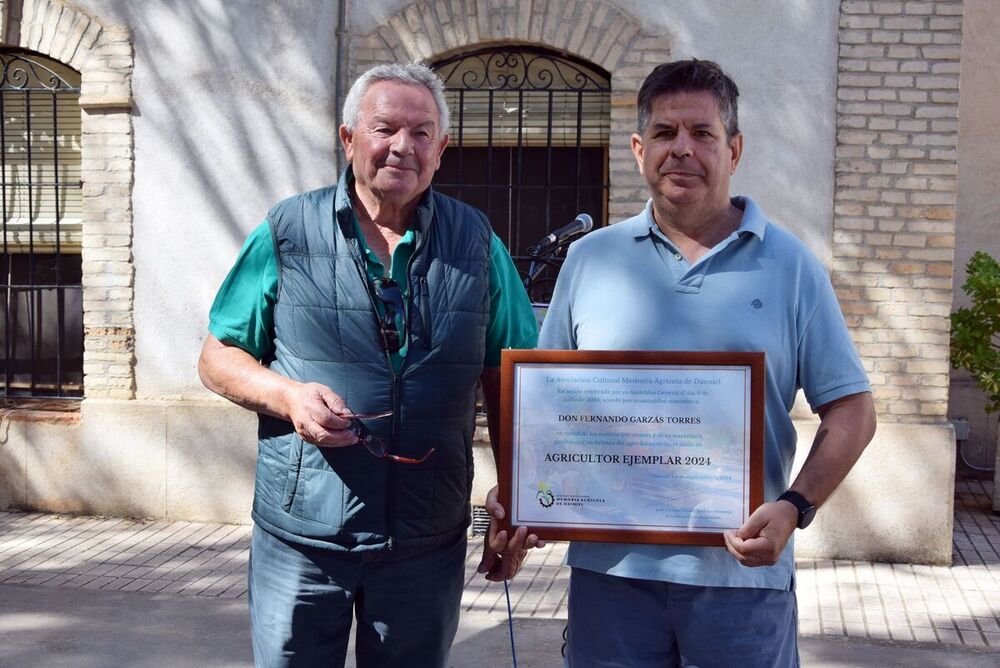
<point>375,445</point>
<point>391,296</point>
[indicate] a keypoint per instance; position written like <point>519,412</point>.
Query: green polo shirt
<point>243,311</point>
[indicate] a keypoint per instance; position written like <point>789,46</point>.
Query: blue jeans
<point>303,601</point>
<point>621,622</point>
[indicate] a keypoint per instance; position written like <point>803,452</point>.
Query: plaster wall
<point>234,111</point>
<point>897,503</point>
<point>176,460</point>
<point>978,212</point>
<point>787,104</point>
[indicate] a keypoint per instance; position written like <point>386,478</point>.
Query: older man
<point>356,323</point>
<point>700,270</point>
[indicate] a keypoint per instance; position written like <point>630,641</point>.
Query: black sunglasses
<point>375,445</point>
<point>391,295</point>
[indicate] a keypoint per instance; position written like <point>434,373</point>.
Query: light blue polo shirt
<point>626,287</point>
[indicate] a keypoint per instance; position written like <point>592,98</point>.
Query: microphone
<point>582,224</point>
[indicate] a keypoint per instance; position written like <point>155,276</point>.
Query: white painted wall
<point>235,111</point>
<point>783,56</point>
<point>978,211</point>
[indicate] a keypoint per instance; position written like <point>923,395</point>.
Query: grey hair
<point>414,74</point>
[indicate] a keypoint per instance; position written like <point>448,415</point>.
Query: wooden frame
<point>660,367</point>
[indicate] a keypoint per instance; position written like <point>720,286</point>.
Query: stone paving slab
<point>957,605</point>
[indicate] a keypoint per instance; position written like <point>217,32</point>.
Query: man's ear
<point>736,147</point>
<point>637,150</point>
<point>347,141</point>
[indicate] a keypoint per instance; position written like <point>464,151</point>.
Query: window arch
<point>40,201</point>
<point>529,139</point>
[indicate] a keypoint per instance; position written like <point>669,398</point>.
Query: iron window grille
<point>40,202</point>
<point>529,141</point>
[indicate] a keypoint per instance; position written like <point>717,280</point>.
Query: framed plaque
<point>631,446</point>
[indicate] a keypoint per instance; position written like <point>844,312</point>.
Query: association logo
<point>545,496</point>
<point>757,304</point>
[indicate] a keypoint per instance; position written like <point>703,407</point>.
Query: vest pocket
<point>293,474</point>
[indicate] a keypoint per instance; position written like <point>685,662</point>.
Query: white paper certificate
<point>649,447</point>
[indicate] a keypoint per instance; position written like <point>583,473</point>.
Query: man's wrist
<point>805,509</point>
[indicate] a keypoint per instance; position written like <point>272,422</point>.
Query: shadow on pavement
<point>82,628</point>
<point>486,642</point>
<point>833,652</point>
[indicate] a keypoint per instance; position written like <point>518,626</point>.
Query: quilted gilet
<point>326,331</point>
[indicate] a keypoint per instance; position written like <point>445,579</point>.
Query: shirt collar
<point>753,221</point>
<point>425,208</point>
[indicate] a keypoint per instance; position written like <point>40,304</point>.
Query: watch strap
<point>806,509</point>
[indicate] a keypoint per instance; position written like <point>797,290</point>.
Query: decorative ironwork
<point>24,73</point>
<point>520,68</point>
<point>529,143</point>
<point>40,199</point>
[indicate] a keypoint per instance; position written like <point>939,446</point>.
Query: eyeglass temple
<point>410,460</point>
<point>365,436</point>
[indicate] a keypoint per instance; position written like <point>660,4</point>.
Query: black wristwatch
<point>807,511</point>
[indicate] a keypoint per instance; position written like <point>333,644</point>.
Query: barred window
<point>529,141</point>
<point>40,201</point>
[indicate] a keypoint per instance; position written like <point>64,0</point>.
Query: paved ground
<point>94,592</point>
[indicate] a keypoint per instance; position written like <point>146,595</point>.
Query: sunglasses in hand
<point>375,445</point>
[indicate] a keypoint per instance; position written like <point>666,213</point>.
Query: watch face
<point>806,516</point>
<point>807,511</point>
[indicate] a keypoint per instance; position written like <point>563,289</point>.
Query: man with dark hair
<point>356,323</point>
<point>701,270</point>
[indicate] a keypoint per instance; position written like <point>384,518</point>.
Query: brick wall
<point>896,188</point>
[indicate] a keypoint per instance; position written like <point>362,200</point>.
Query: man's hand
<point>315,411</point>
<point>502,556</point>
<point>761,539</point>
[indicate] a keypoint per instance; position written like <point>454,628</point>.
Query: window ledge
<point>106,103</point>
<point>49,411</point>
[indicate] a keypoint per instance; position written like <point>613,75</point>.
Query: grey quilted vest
<point>326,331</point>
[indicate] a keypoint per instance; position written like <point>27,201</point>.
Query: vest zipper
<point>390,492</point>
<point>390,500</point>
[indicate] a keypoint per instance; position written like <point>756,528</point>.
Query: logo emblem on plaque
<point>545,496</point>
